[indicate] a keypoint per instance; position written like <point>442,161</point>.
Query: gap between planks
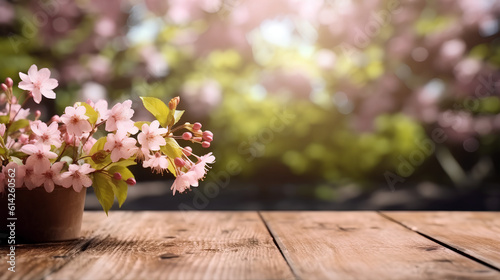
<point>449,246</point>
<point>278,245</point>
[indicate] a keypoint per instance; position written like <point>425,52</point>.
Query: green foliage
<point>15,126</point>
<point>159,110</point>
<point>103,188</point>
<point>172,150</point>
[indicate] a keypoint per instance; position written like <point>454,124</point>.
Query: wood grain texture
<point>35,261</point>
<point>474,233</point>
<point>364,245</point>
<point>176,245</point>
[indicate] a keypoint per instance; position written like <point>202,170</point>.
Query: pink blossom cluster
<point>63,151</point>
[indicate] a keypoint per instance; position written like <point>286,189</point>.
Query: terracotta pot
<point>43,217</point>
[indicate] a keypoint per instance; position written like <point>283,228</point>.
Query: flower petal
<point>33,73</point>
<point>48,93</point>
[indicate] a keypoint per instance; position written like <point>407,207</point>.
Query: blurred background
<point>315,104</point>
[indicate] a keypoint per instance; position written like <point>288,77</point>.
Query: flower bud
<point>4,87</point>
<point>187,151</point>
<point>196,126</point>
<point>208,136</point>
<point>117,176</point>
<point>179,162</point>
<point>9,82</point>
<point>38,113</point>
<point>187,135</point>
<point>56,119</point>
<point>205,144</point>
<point>174,102</point>
<point>131,181</point>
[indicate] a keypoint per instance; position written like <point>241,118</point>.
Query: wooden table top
<point>270,245</point>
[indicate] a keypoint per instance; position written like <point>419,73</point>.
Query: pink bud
<point>24,139</point>
<point>56,119</point>
<point>196,126</point>
<point>205,144</point>
<point>197,139</point>
<point>117,176</point>
<point>187,135</point>
<point>187,151</point>
<point>37,114</point>
<point>9,82</point>
<point>5,87</point>
<point>131,181</point>
<point>179,162</point>
<point>208,136</point>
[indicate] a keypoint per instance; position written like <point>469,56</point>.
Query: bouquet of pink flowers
<point>63,151</point>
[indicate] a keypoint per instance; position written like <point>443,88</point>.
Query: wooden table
<point>270,245</point>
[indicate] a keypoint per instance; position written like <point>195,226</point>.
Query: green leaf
<point>177,116</point>
<point>4,119</point>
<point>90,112</point>
<point>126,162</point>
<point>139,124</point>
<point>120,186</point>
<point>98,146</point>
<point>158,108</point>
<point>172,150</point>
<point>103,188</point>
<point>15,126</point>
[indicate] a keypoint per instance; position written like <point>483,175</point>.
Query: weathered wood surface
<point>36,261</point>
<point>247,245</point>
<point>364,245</point>
<point>175,245</point>
<point>475,233</point>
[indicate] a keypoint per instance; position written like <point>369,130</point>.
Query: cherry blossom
<point>200,168</point>
<point>76,121</point>
<point>50,177</point>
<point>48,135</point>
<point>29,178</point>
<point>19,175</point>
<point>77,176</point>
<point>150,138</point>
<point>38,83</point>
<point>119,118</point>
<point>184,181</point>
<point>120,146</point>
<point>157,162</point>
<point>39,156</point>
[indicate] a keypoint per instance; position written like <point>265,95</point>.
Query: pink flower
<point>47,135</point>
<point>88,145</point>
<point>29,177</point>
<point>184,181</point>
<point>77,177</point>
<point>12,168</point>
<point>76,121</point>
<point>157,162</point>
<point>119,118</point>
<point>50,177</point>
<point>101,107</point>
<point>150,138</point>
<point>38,83</point>
<point>39,156</point>
<point>17,111</point>
<point>120,146</point>
<point>201,168</point>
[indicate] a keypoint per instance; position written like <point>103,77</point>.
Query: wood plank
<point>36,261</point>
<point>177,245</point>
<point>364,245</point>
<point>475,233</point>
